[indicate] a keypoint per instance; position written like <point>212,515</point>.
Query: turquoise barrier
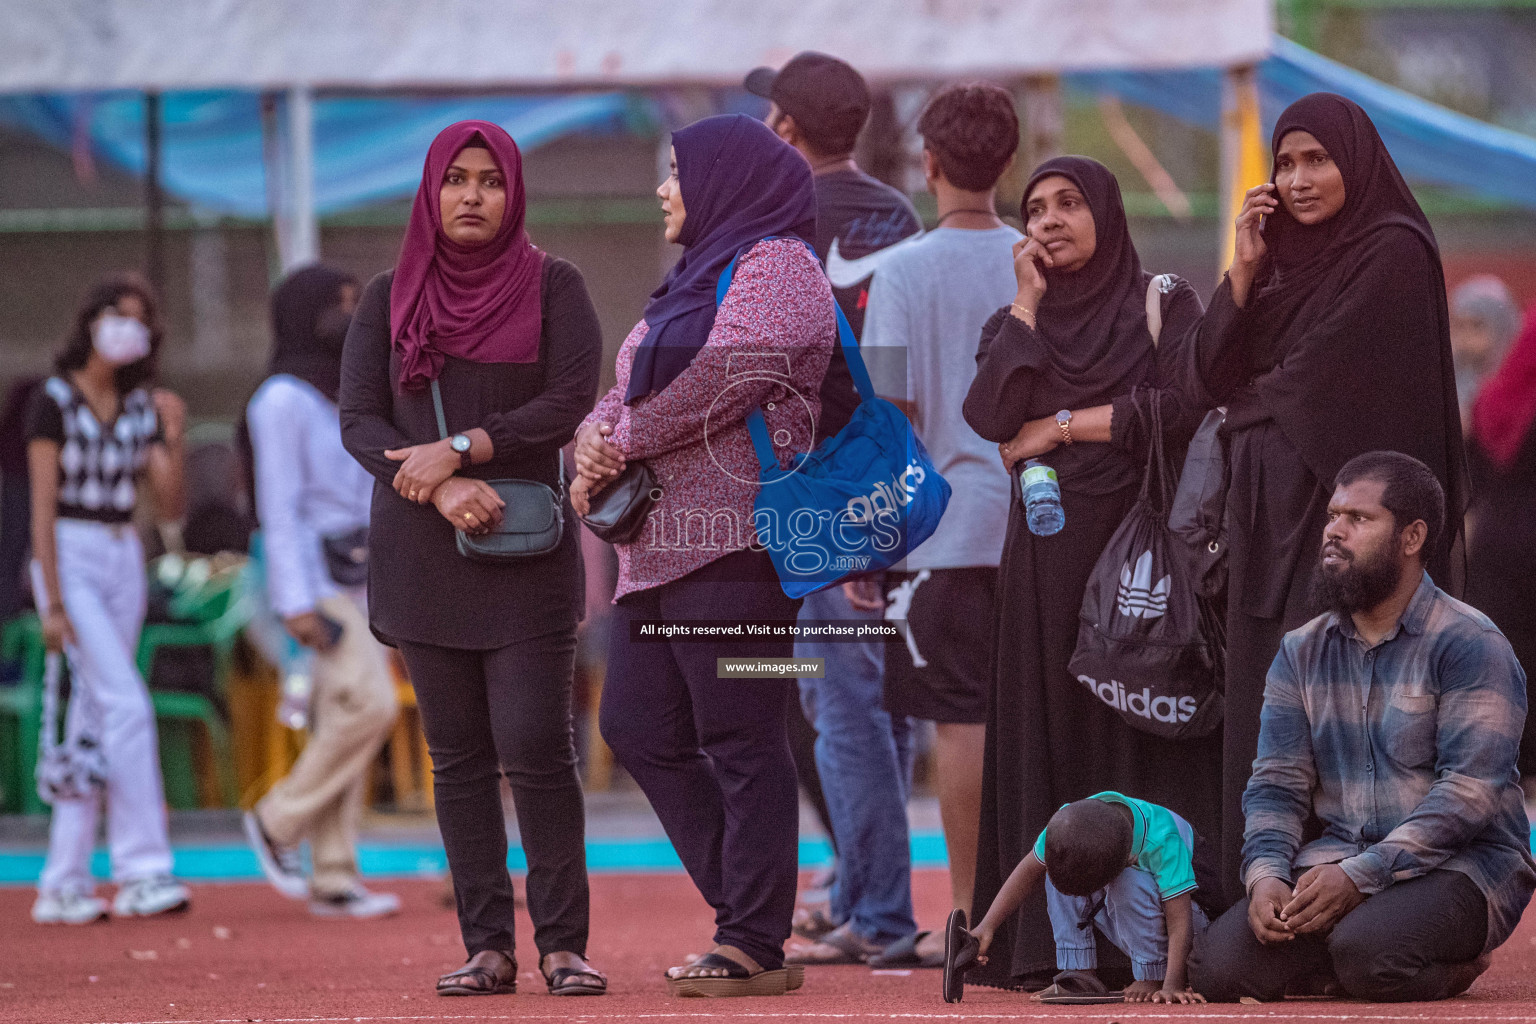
<point>234,862</point>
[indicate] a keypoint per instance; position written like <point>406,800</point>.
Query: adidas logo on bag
<point>1163,708</point>
<point>888,498</point>
<point>1136,597</point>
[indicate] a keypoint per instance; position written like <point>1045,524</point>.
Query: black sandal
<point>489,980</point>
<point>962,951</point>
<point>566,981</point>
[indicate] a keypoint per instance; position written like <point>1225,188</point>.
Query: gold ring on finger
<point>469,517</point>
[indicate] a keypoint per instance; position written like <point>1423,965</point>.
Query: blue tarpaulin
<point>1428,142</point>
<point>369,150</point>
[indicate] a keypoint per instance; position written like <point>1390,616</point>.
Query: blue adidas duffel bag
<point>858,502</point>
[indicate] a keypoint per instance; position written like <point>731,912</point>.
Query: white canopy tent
<point>165,45</point>
<point>408,45</point>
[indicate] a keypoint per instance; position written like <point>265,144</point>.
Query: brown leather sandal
<point>489,972</point>
<point>727,971</point>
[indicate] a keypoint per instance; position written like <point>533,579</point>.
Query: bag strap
<point>442,430</point>
<point>1158,467</point>
<point>1155,305</point>
<point>437,407</point>
<point>756,425</point>
<point>1157,460</point>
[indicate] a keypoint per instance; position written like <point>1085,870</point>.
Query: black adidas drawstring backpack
<point>1148,645</point>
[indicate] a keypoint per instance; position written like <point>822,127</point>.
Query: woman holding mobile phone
<point>94,431</point>
<point>1329,338</point>
<point>312,499</point>
<point>1069,374</point>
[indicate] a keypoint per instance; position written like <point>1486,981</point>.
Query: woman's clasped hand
<point>470,505</point>
<point>597,464</point>
<point>423,468</point>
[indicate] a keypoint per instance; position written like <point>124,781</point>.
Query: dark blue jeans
<point>712,755</point>
<point>864,757</point>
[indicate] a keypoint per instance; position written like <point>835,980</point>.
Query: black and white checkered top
<point>98,466</point>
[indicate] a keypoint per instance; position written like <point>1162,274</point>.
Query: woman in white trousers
<point>93,432</point>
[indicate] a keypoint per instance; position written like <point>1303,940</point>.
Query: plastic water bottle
<point>1042,499</point>
<point>297,684</point>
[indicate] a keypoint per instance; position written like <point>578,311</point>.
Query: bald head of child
<point>1087,845</point>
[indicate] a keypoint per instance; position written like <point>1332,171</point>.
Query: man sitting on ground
<point>1396,718</point>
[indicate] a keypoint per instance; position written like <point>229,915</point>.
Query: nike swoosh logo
<point>845,273</point>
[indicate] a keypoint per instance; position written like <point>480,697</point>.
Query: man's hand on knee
<point>1323,896</point>
<point>1265,906</point>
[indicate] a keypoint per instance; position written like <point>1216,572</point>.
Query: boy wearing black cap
<point>820,105</point>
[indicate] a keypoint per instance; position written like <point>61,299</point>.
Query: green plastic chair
<point>222,612</point>
<point>21,639</point>
<point>176,714</point>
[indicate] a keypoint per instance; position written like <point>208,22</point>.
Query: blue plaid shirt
<point>1405,749</point>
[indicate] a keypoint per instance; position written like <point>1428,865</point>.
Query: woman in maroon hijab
<point>1501,551</point>
<point>510,338</point>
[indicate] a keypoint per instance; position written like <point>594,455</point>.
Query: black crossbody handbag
<point>532,522</point>
<point>618,512</point>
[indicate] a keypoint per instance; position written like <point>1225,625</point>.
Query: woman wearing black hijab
<point>1329,338</point>
<point>1075,340</point>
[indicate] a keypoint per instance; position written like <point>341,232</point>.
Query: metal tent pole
<point>154,198</point>
<point>1244,157</point>
<point>303,234</point>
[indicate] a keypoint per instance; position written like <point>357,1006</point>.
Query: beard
<point>1363,582</point>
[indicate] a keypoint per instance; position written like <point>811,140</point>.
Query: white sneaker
<point>357,903</point>
<point>146,897</point>
<point>68,906</point>
<point>281,864</point>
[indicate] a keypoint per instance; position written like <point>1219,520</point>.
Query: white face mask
<point>120,340</point>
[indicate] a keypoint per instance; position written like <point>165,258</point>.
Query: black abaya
<point>1049,740</point>
<point>1342,348</point>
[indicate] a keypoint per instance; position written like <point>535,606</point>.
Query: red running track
<point>244,954</point>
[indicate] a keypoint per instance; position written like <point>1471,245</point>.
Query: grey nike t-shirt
<point>923,324</point>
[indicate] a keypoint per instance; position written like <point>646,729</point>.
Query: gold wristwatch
<point>1064,424</point>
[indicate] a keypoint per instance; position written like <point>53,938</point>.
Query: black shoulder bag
<point>532,522</point>
<point>1198,515</point>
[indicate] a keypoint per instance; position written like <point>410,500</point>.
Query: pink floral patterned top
<point>769,349</point>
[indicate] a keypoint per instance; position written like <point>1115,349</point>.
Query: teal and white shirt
<point>1162,843</point>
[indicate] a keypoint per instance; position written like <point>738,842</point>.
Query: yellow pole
<point>1244,156</point>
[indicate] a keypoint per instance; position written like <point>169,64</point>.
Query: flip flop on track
<point>961,953</point>
<point>1078,988</point>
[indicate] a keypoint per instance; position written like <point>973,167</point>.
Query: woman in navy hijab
<point>712,754</point>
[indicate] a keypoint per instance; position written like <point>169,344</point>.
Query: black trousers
<point>1413,942</point>
<point>712,755</point>
<point>507,711</point>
